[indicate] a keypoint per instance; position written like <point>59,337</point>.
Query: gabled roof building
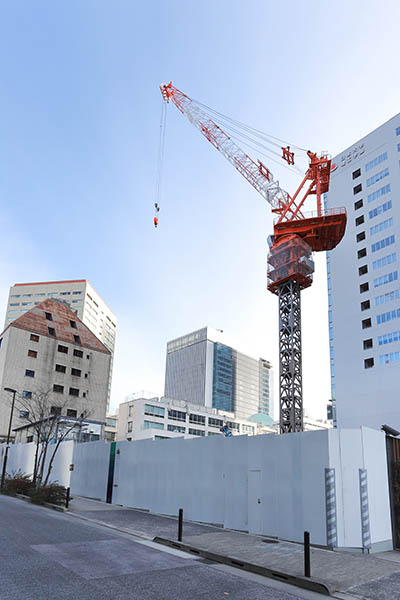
<point>50,351</point>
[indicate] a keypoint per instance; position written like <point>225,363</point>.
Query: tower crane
<point>296,235</point>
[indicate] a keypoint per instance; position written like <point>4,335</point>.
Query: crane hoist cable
<point>160,162</point>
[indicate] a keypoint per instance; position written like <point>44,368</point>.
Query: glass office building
<point>202,369</point>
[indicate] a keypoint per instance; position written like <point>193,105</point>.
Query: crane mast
<point>296,236</point>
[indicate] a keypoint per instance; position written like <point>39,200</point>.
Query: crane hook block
<point>155,222</point>
<point>288,156</point>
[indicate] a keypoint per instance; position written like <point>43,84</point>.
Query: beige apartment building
<point>50,350</point>
<point>82,299</point>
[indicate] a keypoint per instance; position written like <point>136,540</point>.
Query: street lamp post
<point>3,473</point>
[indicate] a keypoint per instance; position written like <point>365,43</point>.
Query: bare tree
<point>48,427</point>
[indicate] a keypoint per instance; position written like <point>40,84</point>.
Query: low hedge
<point>21,483</point>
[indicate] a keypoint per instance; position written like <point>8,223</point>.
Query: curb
<point>303,582</point>
<point>46,504</point>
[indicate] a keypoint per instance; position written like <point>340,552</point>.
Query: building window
<point>385,260</point>
<point>360,220</point>
<point>366,323</point>
<point>29,439</point>
<point>63,349</point>
<point>58,388</point>
<point>233,426</point>
<point>29,373</point>
<point>397,130</point>
<point>34,337</point>
<point>55,410</point>
<point>361,253</point>
<point>49,316</point>
<point>377,177</point>
<point>176,415</point>
<point>26,394</point>
<point>130,411</point>
<point>365,305</point>
<point>73,324</point>
<point>61,368</point>
<point>360,236</point>
<point>363,270</point>
<point>387,278</point>
<point>215,422</point>
<point>198,432</point>
<point>388,297</point>
<point>380,209</point>
<point>378,193</point>
<point>73,392</point>
<point>364,287</point>
<point>368,363</point>
<point>388,316</point>
<point>71,413</point>
<point>32,353</point>
<point>52,331</point>
<point>152,425</point>
<point>376,161</point>
<point>383,243</point>
<point>76,372</point>
<point>77,339</point>
<point>388,338</point>
<point>154,411</point>
<point>381,226</point>
<point>248,429</point>
<point>386,359</point>
<point>197,419</point>
<point>177,428</point>
<point>27,295</point>
<point>357,189</point>
<point>130,425</point>
<point>88,356</point>
<point>367,344</point>
<point>84,394</point>
<point>78,353</point>
<point>356,173</point>
<point>358,204</point>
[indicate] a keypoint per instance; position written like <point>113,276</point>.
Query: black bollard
<point>67,499</point>
<point>307,563</point>
<point>180,524</point>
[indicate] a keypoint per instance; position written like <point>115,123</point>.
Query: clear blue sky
<point>79,119</point>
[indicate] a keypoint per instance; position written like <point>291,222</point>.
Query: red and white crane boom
<point>296,236</point>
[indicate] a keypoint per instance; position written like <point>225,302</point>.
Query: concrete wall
<point>267,484</point>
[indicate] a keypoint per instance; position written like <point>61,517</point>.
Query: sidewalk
<point>345,574</point>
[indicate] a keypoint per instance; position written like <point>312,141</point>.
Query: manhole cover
<point>270,541</point>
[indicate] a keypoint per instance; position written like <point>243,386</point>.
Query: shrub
<point>52,492</point>
<point>18,483</point>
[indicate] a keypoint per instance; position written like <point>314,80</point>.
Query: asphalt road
<point>46,555</point>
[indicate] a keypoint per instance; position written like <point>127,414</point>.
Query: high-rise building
<point>202,369</point>
<point>53,361</point>
<point>79,295</point>
<point>363,281</point>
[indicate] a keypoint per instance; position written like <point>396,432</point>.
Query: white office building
<point>145,415</point>
<point>79,295</point>
<point>201,368</point>
<point>363,281</point>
